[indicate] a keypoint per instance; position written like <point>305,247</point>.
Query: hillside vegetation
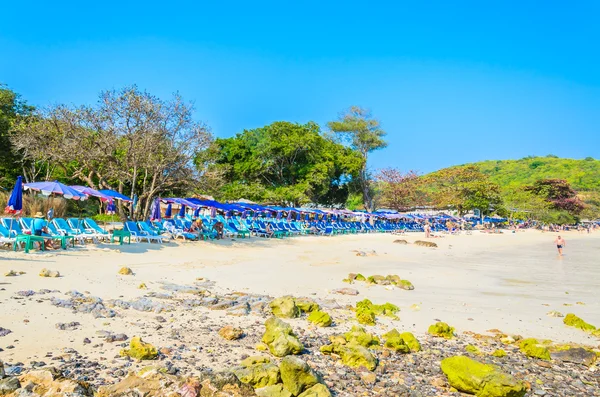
<point>582,175</point>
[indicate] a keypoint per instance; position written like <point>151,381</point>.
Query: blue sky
<point>452,82</point>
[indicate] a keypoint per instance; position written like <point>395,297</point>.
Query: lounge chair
<point>5,237</point>
<point>63,228</point>
<point>64,238</point>
<point>15,231</point>
<point>78,226</point>
<point>140,235</point>
<point>91,224</point>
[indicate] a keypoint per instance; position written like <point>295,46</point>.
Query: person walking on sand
<point>427,229</point>
<point>560,244</point>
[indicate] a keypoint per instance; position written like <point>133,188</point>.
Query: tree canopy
<point>286,163</point>
<point>357,128</point>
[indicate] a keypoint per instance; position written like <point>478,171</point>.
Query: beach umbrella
<point>182,212</point>
<point>213,212</point>
<point>110,208</point>
<point>168,212</point>
<point>289,216</point>
<point>48,188</point>
<point>197,212</point>
<point>244,214</point>
<point>15,202</point>
<point>88,191</point>
<point>155,213</point>
<point>278,217</point>
<point>115,195</point>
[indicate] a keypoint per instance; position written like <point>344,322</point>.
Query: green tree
<point>357,127</point>
<point>464,189</point>
<point>400,191</point>
<point>12,107</point>
<point>286,163</point>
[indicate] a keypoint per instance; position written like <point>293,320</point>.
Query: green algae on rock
<point>499,353</point>
<point>320,318</point>
<point>280,338</point>
<point>367,310</point>
<point>140,350</point>
<point>273,391</point>
<point>396,340</point>
<point>359,336</point>
<point>257,372</point>
<point>441,329</point>
<point>573,321</point>
<point>307,305</point>
<point>533,348</point>
<point>297,376</point>
<point>352,355</point>
<point>472,349</point>
<point>480,379</point>
<point>285,307</point>
<point>318,390</point>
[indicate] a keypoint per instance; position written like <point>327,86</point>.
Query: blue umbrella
<point>155,215</point>
<point>15,202</point>
<point>197,212</point>
<point>168,211</point>
<point>213,212</point>
<point>182,211</point>
<point>115,195</point>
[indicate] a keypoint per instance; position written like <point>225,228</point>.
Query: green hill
<point>582,175</point>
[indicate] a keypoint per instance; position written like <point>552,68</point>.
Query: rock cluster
<point>392,279</point>
<point>49,273</point>
<point>366,311</point>
<point>441,329</point>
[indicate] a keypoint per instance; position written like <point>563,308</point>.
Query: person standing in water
<point>560,244</point>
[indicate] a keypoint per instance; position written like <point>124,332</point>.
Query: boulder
<point>285,307</point>
<point>403,242</point>
<point>230,333</point>
<point>482,380</point>
<point>532,348</point>
<point>442,330</point>
<point>307,305</point>
<point>280,338</point>
<point>9,385</point>
<point>411,341</point>
<point>367,310</point>
<point>320,318</point>
<point>406,285</point>
<point>222,384</point>
<point>297,376</point>
<point>259,374</point>
<point>397,344</point>
<point>378,279</point>
<point>318,390</point>
<point>140,350</point>
<point>273,391</point>
<point>125,271</point>
<point>354,356</point>
<point>577,355</point>
<point>401,342</point>
<point>573,321</point>
<point>49,273</point>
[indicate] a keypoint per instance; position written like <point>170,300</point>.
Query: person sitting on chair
<point>40,228</point>
<point>218,227</point>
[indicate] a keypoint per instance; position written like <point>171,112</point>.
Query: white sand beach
<point>473,282</point>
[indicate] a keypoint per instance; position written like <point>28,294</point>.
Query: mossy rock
<point>355,356</point>
<point>473,377</point>
<point>397,344</point>
<point>229,332</point>
<point>499,353</point>
<point>360,277</point>
<point>273,391</point>
<point>307,305</point>
<point>573,321</point>
<point>406,285</point>
<point>125,271</point>
<point>367,310</point>
<point>357,335</point>
<point>442,330</point>
<point>411,341</point>
<point>318,390</point>
<point>49,273</point>
<point>320,318</point>
<point>297,376</point>
<point>429,244</point>
<point>140,350</point>
<point>253,360</point>
<point>365,316</point>
<point>258,374</point>
<point>285,307</point>
<point>533,348</point>
<point>280,338</point>
<point>472,349</point>
<point>142,286</point>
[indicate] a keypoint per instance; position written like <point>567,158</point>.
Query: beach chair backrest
<point>62,224</point>
<point>52,228</point>
<point>90,223</point>
<point>75,223</point>
<point>4,232</point>
<point>12,225</point>
<point>132,227</point>
<point>27,223</point>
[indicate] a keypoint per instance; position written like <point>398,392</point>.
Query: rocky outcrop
<point>139,350</point>
<point>280,338</point>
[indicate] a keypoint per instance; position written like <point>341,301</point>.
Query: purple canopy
<point>15,202</point>
<point>169,211</point>
<point>155,213</point>
<point>48,188</point>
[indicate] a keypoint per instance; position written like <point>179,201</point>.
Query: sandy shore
<point>475,283</point>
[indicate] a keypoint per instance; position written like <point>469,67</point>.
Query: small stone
<point>86,341</point>
<point>368,377</point>
<point>49,273</point>
<point>345,291</point>
<point>576,355</point>
<point>125,271</point>
<point>142,286</point>
<point>230,333</point>
<point>554,313</point>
